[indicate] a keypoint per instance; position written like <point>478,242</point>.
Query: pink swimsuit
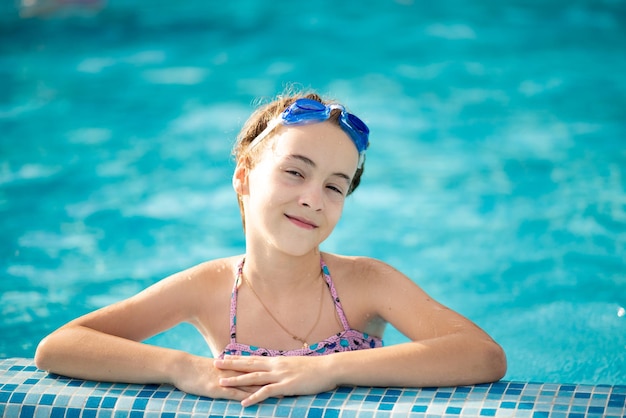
<point>347,340</point>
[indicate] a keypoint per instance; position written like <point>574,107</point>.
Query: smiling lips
<point>301,222</point>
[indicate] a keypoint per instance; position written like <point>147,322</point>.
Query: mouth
<point>301,222</point>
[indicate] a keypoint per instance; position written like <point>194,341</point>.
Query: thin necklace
<point>295,337</point>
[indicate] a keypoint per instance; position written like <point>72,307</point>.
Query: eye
<point>335,189</point>
<point>294,173</point>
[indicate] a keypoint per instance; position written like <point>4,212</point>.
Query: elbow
<point>43,354</point>
<point>495,364</point>
<point>46,354</point>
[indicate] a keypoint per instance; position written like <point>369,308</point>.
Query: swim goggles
<point>304,111</point>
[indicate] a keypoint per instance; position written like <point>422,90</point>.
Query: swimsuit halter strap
<point>331,286</point>
<point>233,301</point>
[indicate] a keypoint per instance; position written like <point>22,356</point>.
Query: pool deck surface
<point>26,391</point>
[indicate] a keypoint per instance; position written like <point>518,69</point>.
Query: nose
<point>312,197</point>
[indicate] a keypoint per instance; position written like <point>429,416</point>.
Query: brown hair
<point>257,122</point>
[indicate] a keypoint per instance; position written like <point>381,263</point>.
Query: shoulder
<point>198,283</point>
<point>372,282</point>
<point>363,269</point>
<point>218,272</point>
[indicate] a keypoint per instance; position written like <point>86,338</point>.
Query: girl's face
<point>294,195</point>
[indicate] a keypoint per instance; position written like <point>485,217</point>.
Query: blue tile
<point>108,402</point>
<point>283,411</point>
<point>412,393</point>
<point>419,408</point>
<point>332,413</point>
<point>140,403</point>
<point>47,399</point>
<point>319,402</point>
<point>17,397</point>
<point>497,389</point>
<point>146,393</point>
<point>385,407</point>
<point>324,395</point>
<point>453,410</point>
<point>513,391</point>
<point>187,406</point>
<point>508,405</point>
<point>93,402</point>
<point>336,403</point>
<point>57,412</point>
<point>203,406</point>
<point>28,411</point>
<point>171,405</point>
<point>315,413</point>
<point>72,413</point>
<point>525,405</point>
<point>488,412</point>
<point>541,414</point>
<point>373,398</point>
<point>89,413</point>
<point>595,410</point>
<point>388,398</point>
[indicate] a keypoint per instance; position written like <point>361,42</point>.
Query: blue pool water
<point>496,178</point>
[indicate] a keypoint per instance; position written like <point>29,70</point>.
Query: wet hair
<point>257,122</point>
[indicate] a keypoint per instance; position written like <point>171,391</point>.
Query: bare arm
<point>105,345</point>
<point>446,349</point>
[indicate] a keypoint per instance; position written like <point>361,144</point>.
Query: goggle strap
<point>271,125</point>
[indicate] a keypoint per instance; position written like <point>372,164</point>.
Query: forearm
<point>444,361</point>
<point>84,353</point>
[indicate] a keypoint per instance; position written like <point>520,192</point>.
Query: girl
<point>283,319</point>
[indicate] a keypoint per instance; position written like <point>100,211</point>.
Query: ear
<point>240,177</point>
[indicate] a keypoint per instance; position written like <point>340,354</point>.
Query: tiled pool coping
<point>27,392</point>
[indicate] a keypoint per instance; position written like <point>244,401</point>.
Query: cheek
<point>336,211</point>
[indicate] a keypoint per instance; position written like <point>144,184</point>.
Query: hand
<point>275,376</point>
<point>199,376</point>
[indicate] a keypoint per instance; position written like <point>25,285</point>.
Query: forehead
<point>324,143</point>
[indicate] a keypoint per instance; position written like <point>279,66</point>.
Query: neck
<point>281,271</point>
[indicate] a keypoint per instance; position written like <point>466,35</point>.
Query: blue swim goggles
<point>304,111</point>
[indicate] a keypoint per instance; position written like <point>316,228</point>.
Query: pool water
<point>496,176</point>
